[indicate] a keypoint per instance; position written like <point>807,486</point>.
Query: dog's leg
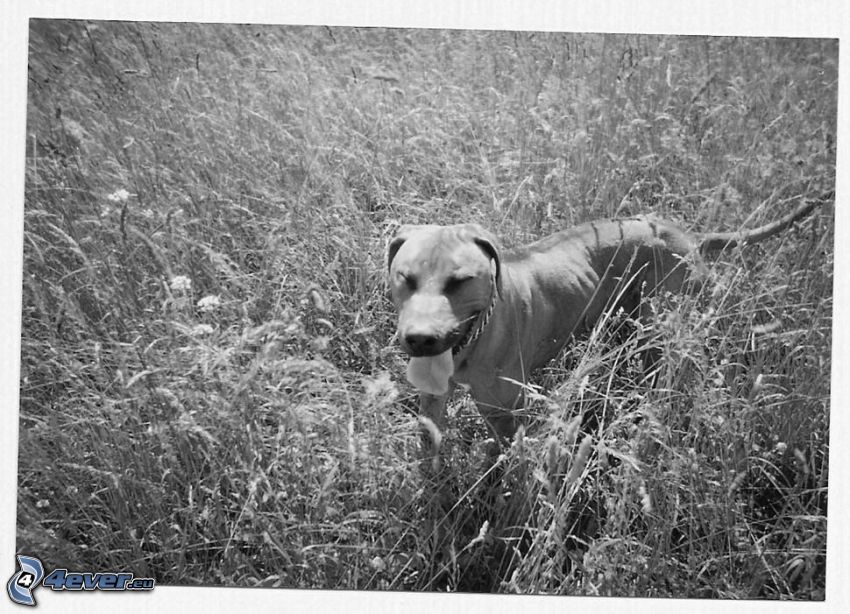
<point>496,399</point>
<point>432,418</point>
<point>437,503</point>
<point>502,425</point>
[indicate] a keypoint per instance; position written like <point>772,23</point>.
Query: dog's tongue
<point>431,374</point>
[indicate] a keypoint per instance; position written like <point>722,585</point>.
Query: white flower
<point>202,329</point>
<point>119,196</point>
<point>209,303</point>
<point>181,282</point>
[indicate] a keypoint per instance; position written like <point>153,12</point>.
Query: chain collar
<point>481,321</point>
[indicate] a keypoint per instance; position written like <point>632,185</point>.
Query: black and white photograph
<point>423,310</point>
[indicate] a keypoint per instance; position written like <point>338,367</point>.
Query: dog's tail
<point>719,241</point>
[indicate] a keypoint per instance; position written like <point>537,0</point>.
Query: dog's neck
<point>480,321</point>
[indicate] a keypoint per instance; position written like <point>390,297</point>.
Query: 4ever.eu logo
<point>30,575</point>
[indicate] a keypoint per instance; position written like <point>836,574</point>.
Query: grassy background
<point>269,439</point>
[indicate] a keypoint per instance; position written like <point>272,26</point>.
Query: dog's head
<point>441,279</point>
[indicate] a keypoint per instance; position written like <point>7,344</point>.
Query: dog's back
<point>612,262</point>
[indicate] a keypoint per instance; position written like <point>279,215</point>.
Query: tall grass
<point>210,391</point>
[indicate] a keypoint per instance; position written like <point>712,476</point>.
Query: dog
<point>470,313</point>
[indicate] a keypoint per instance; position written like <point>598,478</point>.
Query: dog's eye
<point>453,283</point>
<point>407,280</point>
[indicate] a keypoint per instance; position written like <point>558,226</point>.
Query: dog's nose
<point>421,344</point>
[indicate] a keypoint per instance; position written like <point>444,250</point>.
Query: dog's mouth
<point>418,353</point>
<point>423,345</point>
<point>464,332</point>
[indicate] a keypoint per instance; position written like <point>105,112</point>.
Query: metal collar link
<point>482,320</point>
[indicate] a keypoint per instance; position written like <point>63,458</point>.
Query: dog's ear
<point>395,243</point>
<point>487,242</point>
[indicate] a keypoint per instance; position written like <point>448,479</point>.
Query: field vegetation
<point>210,388</point>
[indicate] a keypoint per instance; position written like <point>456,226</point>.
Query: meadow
<point>211,393</point>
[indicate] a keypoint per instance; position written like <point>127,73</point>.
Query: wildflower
<point>181,283</point>
<point>209,303</point>
<point>42,503</point>
<point>202,329</point>
<point>378,564</point>
<point>645,499</point>
<point>380,389</point>
<point>118,196</point>
<point>74,130</point>
<point>320,343</point>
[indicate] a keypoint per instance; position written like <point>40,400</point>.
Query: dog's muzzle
<point>427,343</point>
